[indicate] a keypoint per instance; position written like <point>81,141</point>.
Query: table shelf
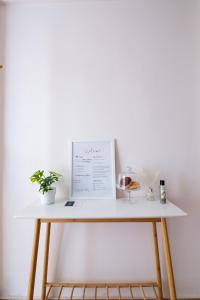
<point>129,286</point>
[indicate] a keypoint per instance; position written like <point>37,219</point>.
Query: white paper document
<point>92,170</point>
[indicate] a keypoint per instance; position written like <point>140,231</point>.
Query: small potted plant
<point>46,189</point>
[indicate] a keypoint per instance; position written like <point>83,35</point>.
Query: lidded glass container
<point>128,181</point>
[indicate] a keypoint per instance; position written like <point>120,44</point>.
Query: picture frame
<point>92,170</point>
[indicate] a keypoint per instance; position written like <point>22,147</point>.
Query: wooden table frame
<point>130,285</point>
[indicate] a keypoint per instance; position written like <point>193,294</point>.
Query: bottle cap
<point>162,182</point>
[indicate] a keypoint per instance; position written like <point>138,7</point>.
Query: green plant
<point>45,182</point>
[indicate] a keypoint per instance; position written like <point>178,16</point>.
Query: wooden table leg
<point>168,260</point>
<point>157,260</point>
<point>46,257</point>
<point>34,260</point>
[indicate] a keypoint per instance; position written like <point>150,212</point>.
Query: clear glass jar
<point>128,181</point>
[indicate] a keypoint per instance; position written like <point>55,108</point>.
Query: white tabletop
<point>102,209</point>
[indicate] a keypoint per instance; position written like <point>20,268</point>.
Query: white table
<point>121,210</point>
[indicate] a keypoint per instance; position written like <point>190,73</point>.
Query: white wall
<point>96,69</point>
<point>2,44</point>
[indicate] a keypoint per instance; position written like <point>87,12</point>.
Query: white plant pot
<point>48,197</point>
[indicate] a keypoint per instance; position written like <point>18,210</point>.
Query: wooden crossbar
<point>112,220</point>
<point>95,293</point>
<point>102,285</point>
<point>131,292</point>
<point>119,292</point>
<point>59,295</point>
<point>154,289</point>
<point>49,290</point>
<point>143,293</point>
<point>72,291</point>
<point>107,292</point>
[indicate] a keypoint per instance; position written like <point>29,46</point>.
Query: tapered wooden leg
<point>34,260</point>
<point>46,257</point>
<point>157,260</point>
<point>168,261</point>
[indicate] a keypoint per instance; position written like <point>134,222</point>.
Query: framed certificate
<point>92,170</point>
